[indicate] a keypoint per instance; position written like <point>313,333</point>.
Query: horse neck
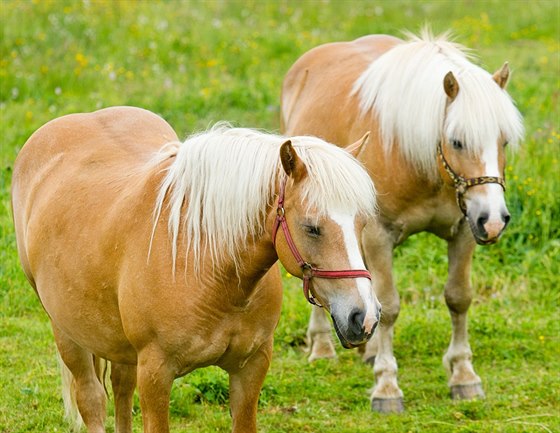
<point>392,174</point>
<point>242,274</point>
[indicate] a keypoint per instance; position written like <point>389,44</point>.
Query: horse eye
<point>313,231</point>
<point>457,145</point>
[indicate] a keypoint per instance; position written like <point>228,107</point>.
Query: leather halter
<point>308,270</point>
<point>461,184</point>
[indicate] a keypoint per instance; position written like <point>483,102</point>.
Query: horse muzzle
<point>485,231</point>
<point>353,330</point>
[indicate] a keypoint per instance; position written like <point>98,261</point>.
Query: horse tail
<point>289,104</point>
<point>71,411</point>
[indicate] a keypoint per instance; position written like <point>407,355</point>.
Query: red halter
<point>308,270</point>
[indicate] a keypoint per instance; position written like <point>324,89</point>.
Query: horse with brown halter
<point>439,127</point>
<point>159,256</point>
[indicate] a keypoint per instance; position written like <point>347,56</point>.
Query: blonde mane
<point>404,88</point>
<point>227,178</point>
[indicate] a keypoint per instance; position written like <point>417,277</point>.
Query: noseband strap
<point>308,270</point>
<point>461,184</point>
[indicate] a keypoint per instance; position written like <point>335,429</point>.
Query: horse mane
<point>228,178</point>
<point>404,88</point>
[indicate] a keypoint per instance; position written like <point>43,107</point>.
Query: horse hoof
<point>467,392</point>
<point>387,405</point>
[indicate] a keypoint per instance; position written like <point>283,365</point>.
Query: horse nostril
<point>356,321</point>
<point>482,219</point>
<point>505,218</point>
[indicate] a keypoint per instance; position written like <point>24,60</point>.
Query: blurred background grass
<point>195,63</point>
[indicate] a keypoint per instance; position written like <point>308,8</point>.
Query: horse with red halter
<point>159,256</point>
<point>440,125</point>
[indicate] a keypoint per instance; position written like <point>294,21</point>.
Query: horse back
<point>318,88</point>
<point>112,132</point>
<point>78,152</point>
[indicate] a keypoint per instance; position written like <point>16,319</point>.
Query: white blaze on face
<point>346,223</point>
<point>493,197</point>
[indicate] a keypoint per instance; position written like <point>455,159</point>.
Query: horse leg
<point>319,337</point>
<point>464,383</point>
<point>155,379</point>
<point>386,396</point>
<point>245,384</point>
<point>123,380</point>
<point>89,392</point>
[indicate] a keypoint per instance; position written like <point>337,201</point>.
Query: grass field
<point>197,62</point>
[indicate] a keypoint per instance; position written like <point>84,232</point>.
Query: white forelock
<point>404,89</point>
<point>227,179</point>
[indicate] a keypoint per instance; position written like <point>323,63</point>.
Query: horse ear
<point>356,148</point>
<point>501,76</point>
<point>450,85</point>
<point>293,165</point>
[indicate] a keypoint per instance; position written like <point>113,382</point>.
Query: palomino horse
<point>160,257</point>
<point>440,125</point>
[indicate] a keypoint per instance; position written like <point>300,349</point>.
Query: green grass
<point>199,62</point>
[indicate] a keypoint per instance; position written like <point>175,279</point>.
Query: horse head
<point>472,151</point>
<point>320,243</point>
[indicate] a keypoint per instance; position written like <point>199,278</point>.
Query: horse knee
<point>390,311</point>
<point>458,301</point>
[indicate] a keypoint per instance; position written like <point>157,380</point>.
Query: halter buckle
<point>307,270</point>
<point>461,186</point>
